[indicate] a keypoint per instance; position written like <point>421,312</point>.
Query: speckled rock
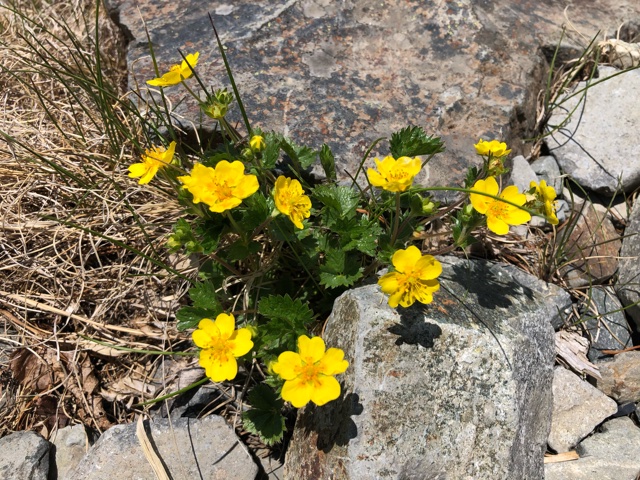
<point>611,454</point>
<point>628,284</point>
<point>348,72</point>
<point>460,388</point>
<point>591,249</point>
<point>521,173</point>
<point>621,377</point>
<point>189,448</point>
<point>72,444</point>
<point>578,408</point>
<point>598,147</point>
<point>24,455</point>
<point>604,322</point>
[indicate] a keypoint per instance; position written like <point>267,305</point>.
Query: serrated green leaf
<point>339,198</point>
<point>328,162</point>
<point>340,269</point>
<point>265,418</point>
<point>189,317</point>
<point>203,295</point>
<point>271,154</point>
<point>285,308</point>
<point>413,141</point>
<point>287,320</point>
<point>239,251</point>
<point>258,210</point>
<point>212,160</point>
<point>300,155</point>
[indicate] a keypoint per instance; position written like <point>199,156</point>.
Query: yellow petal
<point>395,298</point>
<point>287,365</point>
<point>138,170</point>
<point>481,202</point>
<point>242,343</point>
<point>311,350</point>
<point>226,324</point>
<point>389,283</point>
<point>326,389</point>
<point>297,392</point>
<point>247,186</point>
<point>497,226</point>
<point>517,216</point>
<point>513,195</point>
<point>405,260</point>
<point>217,370</point>
<point>428,267</point>
<point>375,178</point>
<point>333,362</point>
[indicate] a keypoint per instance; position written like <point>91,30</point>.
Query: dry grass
<point>58,169</point>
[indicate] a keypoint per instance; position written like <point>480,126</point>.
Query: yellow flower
<point>221,344</point>
<point>221,188</point>
<point>177,73</point>
<point>547,195</point>
<point>394,175</point>
<point>414,278</point>
<point>257,143</point>
<point>291,200</point>
<point>494,148</point>
<point>152,161</point>
<point>308,374</point>
<point>499,214</point>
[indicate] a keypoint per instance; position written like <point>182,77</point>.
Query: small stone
<point>578,408</point>
<point>547,169</point>
<point>611,454</point>
<point>189,448</point>
<point>522,174</point>
<point>603,322</point>
<point>597,146</point>
<point>621,377</point>
<point>592,248</point>
<point>24,455</point>
<point>72,444</point>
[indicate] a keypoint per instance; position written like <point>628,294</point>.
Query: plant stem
<point>396,220</point>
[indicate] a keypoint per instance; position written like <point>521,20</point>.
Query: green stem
<point>396,220</point>
<point>236,227</point>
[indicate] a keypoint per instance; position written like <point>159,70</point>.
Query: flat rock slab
<point>628,285</point>
<point>24,455</point>
<point>612,454</point>
<point>189,448</point>
<point>345,73</point>
<point>460,388</point>
<point>578,408</point>
<point>598,146</point>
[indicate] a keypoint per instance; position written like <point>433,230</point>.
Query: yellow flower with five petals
<point>291,201</point>
<point>221,344</point>
<point>153,160</point>
<point>414,278</point>
<point>309,373</point>
<point>222,187</point>
<point>499,214</point>
<point>394,175</point>
<point>494,148</point>
<point>177,73</point>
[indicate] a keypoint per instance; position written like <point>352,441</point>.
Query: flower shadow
<point>413,330</point>
<point>331,424</point>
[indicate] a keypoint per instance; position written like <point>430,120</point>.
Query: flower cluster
<point>222,187</point>
<point>545,197</point>
<point>394,175</point>
<point>291,201</point>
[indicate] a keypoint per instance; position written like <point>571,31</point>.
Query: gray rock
<point>522,174</point>
<point>457,71</point>
<point>621,377</point>
<point>598,146</point>
<point>562,210</point>
<point>71,445</point>
<point>24,456</point>
<point>578,408</point>
<point>612,454</point>
<point>603,322</point>
<point>460,388</point>
<point>189,448</point>
<point>628,284</point>
<point>547,169</point>
<point>591,249</point>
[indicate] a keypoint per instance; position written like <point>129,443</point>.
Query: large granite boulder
<point>460,388</point>
<point>348,72</point>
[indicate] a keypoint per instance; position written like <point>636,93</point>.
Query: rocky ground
<point>466,387</point>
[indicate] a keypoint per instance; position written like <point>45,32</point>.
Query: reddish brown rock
<point>348,72</point>
<point>621,377</point>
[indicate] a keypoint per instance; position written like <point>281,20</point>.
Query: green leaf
<point>203,295</point>
<point>285,308</point>
<point>265,418</point>
<point>328,162</point>
<point>271,154</point>
<point>341,199</point>
<point>413,141</point>
<point>189,317</point>
<point>212,160</point>
<point>258,210</point>
<point>287,320</point>
<point>340,269</point>
<point>300,155</point>
<point>239,251</point>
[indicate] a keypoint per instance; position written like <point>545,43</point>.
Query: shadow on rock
<point>414,331</point>
<point>333,422</point>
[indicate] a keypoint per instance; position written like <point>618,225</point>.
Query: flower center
<point>308,372</point>
<point>498,209</point>
<point>398,175</point>
<point>220,350</point>
<point>221,190</point>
